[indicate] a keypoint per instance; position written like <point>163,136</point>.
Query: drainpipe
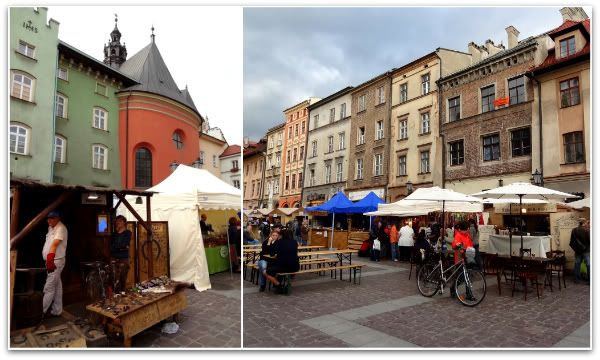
<point>440,122</point>
<point>54,120</point>
<point>539,88</point>
<point>127,141</point>
<point>389,140</point>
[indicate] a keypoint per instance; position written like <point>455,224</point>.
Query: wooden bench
<point>286,278</point>
<point>304,264</point>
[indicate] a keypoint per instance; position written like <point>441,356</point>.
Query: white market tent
<point>178,200</point>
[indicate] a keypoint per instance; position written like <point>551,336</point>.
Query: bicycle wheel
<point>428,280</point>
<point>470,291</point>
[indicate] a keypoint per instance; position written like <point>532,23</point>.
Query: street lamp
<point>173,165</point>
<point>538,178</point>
<point>409,187</point>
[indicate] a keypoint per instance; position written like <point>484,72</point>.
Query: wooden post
<point>149,239</point>
<point>14,241</point>
<point>14,223</point>
<point>133,212</point>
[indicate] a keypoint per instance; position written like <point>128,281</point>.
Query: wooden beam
<point>117,205</point>
<point>14,241</point>
<point>149,239</point>
<point>134,213</point>
<point>14,210</point>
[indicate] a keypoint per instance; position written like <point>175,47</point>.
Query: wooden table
<point>345,254</point>
<point>140,317</point>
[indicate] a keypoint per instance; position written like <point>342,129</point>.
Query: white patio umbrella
<point>460,201</point>
<point>525,191</point>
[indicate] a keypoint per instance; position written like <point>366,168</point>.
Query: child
<point>376,250</point>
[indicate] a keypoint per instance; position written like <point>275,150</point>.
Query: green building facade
<point>87,120</point>
<point>33,56</point>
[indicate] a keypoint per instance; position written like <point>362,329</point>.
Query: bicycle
<point>469,284</point>
<point>96,279</point>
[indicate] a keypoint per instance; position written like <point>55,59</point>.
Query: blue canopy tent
<point>335,205</point>
<point>366,204</point>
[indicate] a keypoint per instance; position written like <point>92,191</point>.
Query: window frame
<point>329,144</point>
<point>381,95</point>
<point>359,169</point>
<point>342,111</point>
<point>104,119</point>
<point>332,115</point>
<point>452,109</point>
<point>362,102</point>
<point>105,156</point>
<point>457,156</point>
<point>425,84</point>
<point>404,92</point>
<point>22,85</point>
<point>65,105</point>
<point>327,173</point>
<point>341,141</point>
<point>66,72</point>
<point>490,97</point>
<point>314,148</point>
<point>573,146</point>
<point>144,173</point>
<point>425,116</point>
<point>425,160</point>
<point>339,171</point>
<point>378,165</point>
<point>63,148</point>
<point>26,46</point>
<point>403,128</point>
<point>402,165</point>
<point>569,50</point>
<point>379,130</point>
<point>177,140</point>
<point>520,96</point>
<point>26,136</point>
<point>492,145</point>
<point>360,140</point>
<point>569,92</point>
<point>522,148</point>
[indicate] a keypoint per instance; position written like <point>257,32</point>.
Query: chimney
<point>474,51</point>
<point>513,36</point>
<point>492,48</point>
<point>573,13</point>
<point>246,140</point>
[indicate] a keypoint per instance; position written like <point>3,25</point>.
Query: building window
<point>338,171</point>
<point>99,157</point>
<point>359,169</point>
<point>101,89</point>
<point>63,73</point>
<point>276,191</point>
<point>567,47</point>
<point>315,121</point>
<point>61,106</point>
<point>143,168</point>
<point>289,132</point>
<point>295,154</point>
<point>293,181</point>
<point>362,103</point>
<point>331,115</point>
<point>403,129</point>
<point>569,92</point>
<point>300,180</point>
<point>424,162</point>
<point>521,142</point>
<point>253,187</point>
<point>19,139</point>
<point>341,142</point>
<point>403,92</point>
<point>491,147</point>
<point>379,130</point>
<point>343,111</point>
<point>60,149</point>
<point>289,156</point>
<point>380,95</point>
<point>327,173</point>
<point>296,129</point>
<point>488,95</point>
<point>425,123</point>
<point>378,164</point>
<point>402,165</point>
<point>303,126</point>
<point>236,184</point>
<point>516,90</point>
<point>425,87</point>
<point>330,144</point>
<point>278,159</point>
<point>177,140</point>
<point>574,152</point>
<point>100,119</point>
<point>314,148</point>
<point>361,136</point>
<point>301,153</point>
<point>311,178</point>
<point>457,153</point>
<point>215,161</point>
<point>22,87</point>
<point>235,163</point>
<point>454,109</point>
<point>287,182</point>
<point>255,166</point>
<point>269,162</point>
<point>26,49</point>
<point>202,158</point>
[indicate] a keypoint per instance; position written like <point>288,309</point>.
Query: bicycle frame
<point>455,269</point>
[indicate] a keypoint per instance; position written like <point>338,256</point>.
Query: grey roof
<point>520,46</point>
<point>149,69</point>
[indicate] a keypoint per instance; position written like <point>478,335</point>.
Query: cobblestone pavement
<point>386,310</point>
<point>211,320</point>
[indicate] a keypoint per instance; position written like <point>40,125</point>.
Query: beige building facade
<point>274,151</point>
<point>415,151</point>
<point>327,155</point>
<point>212,145</point>
<point>561,109</point>
<point>254,174</point>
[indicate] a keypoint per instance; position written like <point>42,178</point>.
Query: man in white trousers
<point>54,251</point>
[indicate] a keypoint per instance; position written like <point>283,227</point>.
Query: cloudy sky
<point>291,54</point>
<point>202,47</point>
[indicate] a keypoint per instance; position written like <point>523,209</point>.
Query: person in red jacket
<point>462,240</point>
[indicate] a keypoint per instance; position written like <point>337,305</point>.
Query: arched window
<point>60,149</point>
<point>143,168</point>
<point>19,139</point>
<point>177,140</point>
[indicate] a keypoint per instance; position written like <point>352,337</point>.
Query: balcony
<point>234,169</point>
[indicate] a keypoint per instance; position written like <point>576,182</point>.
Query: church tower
<point>114,53</point>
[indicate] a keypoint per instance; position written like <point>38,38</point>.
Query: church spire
<point>152,35</point>
<point>114,53</point>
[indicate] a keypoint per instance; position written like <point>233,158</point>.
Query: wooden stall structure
<point>322,237</point>
<point>88,214</point>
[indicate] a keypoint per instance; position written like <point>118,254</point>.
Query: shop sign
<point>501,101</point>
<point>358,195</point>
<point>529,208</point>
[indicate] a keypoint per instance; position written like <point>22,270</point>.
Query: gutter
<point>53,139</point>
<point>539,88</point>
<point>389,139</point>
<point>127,141</point>
<point>440,122</point>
